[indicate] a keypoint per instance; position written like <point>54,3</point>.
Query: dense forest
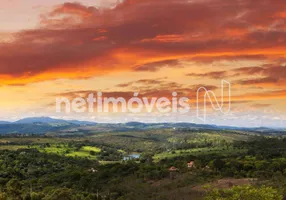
<point>224,165</point>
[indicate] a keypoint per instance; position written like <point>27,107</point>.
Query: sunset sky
<point>56,48</point>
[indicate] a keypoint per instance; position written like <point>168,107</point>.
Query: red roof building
<point>173,169</point>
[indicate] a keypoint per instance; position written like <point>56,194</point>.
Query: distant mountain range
<point>44,125</point>
<point>40,125</point>
<point>47,120</point>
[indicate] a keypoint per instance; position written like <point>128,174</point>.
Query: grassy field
<point>84,152</point>
<point>63,150</point>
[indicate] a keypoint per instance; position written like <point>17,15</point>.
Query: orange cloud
<point>74,37</point>
<point>74,9</point>
<point>165,38</point>
<point>213,75</point>
<point>279,94</point>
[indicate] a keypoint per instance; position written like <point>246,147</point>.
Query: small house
<point>92,170</point>
<point>191,164</point>
<point>173,169</point>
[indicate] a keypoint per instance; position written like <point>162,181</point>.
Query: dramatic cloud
<point>213,75</point>
<point>154,66</point>
<point>74,9</point>
<point>146,87</point>
<point>266,75</point>
<point>211,59</point>
<point>278,94</point>
<point>269,74</point>
<point>77,41</point>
